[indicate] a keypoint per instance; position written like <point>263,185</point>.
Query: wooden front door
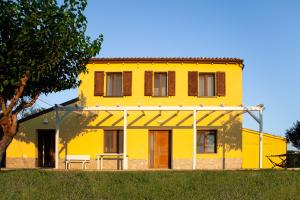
<point>46,148</point>
<point>159,149</point>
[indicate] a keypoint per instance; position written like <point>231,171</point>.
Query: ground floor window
<point>113,141</point>
<point>206,141</point>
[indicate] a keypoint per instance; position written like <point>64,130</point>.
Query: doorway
<point>46,148</point>
<point>160,149</point>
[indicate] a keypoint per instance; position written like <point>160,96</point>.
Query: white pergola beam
<point>253,116</point>
<point>162,108</point>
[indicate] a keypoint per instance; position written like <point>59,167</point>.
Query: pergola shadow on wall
<point>251,110</point>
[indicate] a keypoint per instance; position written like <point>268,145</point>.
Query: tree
<point>29,111</point>
<point>43,49</point>
<point>293,135</point>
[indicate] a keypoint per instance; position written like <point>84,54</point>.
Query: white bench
<point>83,159</point>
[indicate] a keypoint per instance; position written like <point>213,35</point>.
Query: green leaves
<point>47,40</point>
<point>293,135</point>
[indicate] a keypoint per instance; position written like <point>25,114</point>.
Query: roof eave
<point>47,110</point>
<point>200,60</point>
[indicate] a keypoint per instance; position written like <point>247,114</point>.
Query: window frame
<point>119,144</point>
<point>160,84</point>
<point>205,133</point>
<point>114,95</point>
<point>206,74</point>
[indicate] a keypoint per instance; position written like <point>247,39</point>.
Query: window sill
<point>207,153</point>
<point>210,97</point>
<point>113,96</point>
<point>160,96</point>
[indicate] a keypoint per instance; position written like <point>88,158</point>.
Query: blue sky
<point>266,34</point>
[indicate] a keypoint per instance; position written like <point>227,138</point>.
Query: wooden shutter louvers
<point>148,83</point>
<point>99,83</point>
<point>171,83</point>
<point>221,85</point>
<point>127,83</point>
<point>193,83</point>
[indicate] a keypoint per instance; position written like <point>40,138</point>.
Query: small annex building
<point>149,113</point>
<point>275,148</point>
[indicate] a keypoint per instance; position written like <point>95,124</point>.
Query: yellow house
<point>148,113</point>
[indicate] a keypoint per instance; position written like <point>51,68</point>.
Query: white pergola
<point>244,109</point>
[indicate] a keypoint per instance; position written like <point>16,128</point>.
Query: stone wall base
<point>21,162</point>
<point>135,164</point>
<point>219,163</point>
<point>208,163</point>
<point>182,164</point>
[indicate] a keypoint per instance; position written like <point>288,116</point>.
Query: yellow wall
<point>233,84</point>
<point>83,134</point>
<point>272,145</point>
<point>228,126</point>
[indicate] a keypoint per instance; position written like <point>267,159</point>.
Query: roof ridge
<point>146,57</point>
<point>169,59</point>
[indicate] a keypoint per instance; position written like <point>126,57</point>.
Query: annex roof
<point>265,134</point>
<point>47,110</point>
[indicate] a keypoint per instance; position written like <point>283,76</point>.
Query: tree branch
<point>2,120</point>
<point>3,103</point>
<point>25,104</point>
<point>19,92</point>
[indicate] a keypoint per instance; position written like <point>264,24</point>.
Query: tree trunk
<point>4,142</point>
<point>9,128</point>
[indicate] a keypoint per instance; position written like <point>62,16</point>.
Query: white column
<point>56,138</point>
<point>260,139</point>
<point>194,137</point>
<point>125,161</point>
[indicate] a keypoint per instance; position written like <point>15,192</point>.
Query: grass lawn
<point>43,184</point>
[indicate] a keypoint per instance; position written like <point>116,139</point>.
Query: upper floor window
<point>164,83</point>
<point>207,141</point>
<point>160,84</point>
<point>114,84</point>
<point>118,84</point>
<point>206,84</point>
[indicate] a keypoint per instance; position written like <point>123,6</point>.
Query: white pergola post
<point>57,121</point>
<point>194,137</point>
<point>125,161</point>
<point>260,139</point>
<point>259,120</point>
